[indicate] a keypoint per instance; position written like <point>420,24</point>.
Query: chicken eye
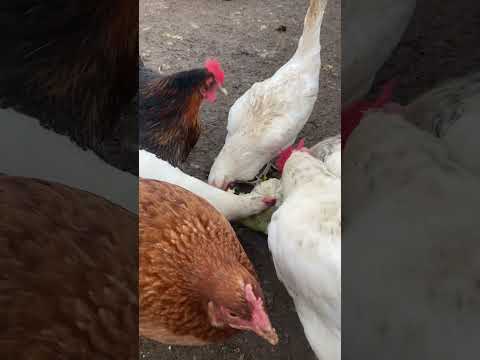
<point>209,83</point>
<point>232,314</point>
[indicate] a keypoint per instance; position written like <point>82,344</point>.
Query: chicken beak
<point>268,334</point>
<point>223,90</point>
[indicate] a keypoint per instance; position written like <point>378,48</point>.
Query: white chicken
<point>371,29</point>
<point>269,116</point>
<point>412,238</point>
<point>232,206</point>
<point>329,151</point>
<point>370,168</point>
<point>304,237</point>
<point>450,111</point>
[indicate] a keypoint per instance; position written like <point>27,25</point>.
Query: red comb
<point>285,154</point>
<point>259,315</point>
<point>215,68</point>
<point>354,113</point>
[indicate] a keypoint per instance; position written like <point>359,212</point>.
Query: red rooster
<point>169,109</point>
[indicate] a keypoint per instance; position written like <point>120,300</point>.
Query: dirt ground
<point>441,42</point>
<point>243,35</point>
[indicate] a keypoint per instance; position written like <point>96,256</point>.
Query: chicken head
<point>249,314</point>
<point>214,82</point>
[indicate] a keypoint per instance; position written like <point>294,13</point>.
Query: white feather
<point>232,206</point>
<point>412,233</point>
<point>371,29</point>
<point>269,116</point>
<point>304,237</point>
<point>329,151</point>
<point>450,111</point>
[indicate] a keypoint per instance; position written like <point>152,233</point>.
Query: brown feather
<point>169,112</point>
<point>74,67</point>
<point>189,255</point>
<point>68,274</point>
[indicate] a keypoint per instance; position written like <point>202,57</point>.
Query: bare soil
<point>247,38</point>
<point>440,43</point>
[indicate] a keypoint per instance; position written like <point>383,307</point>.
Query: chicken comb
<point>354,113</point>
<point>215,68</point>
<point>285,154</point>
<point>258,314</point>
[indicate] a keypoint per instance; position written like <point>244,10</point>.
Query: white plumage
<point>382,154</point>
<point>232,206</point>
<point>329,151</point>
<point>304,237</point>
<point>451,112</point>
<point>371,29</point>
<point>412,233</point>
<point>270,115</point>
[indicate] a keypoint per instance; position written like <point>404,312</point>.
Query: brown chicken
<point>169,109</point>
<point>196,284</point>
<point>73,65</point>
<point>68,274</point>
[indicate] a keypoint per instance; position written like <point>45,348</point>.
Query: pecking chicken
<point>169,121</point>
<point>328,151</point>
<point>411,230</point>
<point>232,206</point>
<point>74,68</point>
<point>68,264</point>
<point>269,116</point>
<point>304,237</point>
<point>197,285</point>
<point>371,29</point>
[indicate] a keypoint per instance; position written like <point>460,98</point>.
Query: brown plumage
<point>193,271</point>
<point>73,65</point>
<point>169,109</point>
<point>68,274</point>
